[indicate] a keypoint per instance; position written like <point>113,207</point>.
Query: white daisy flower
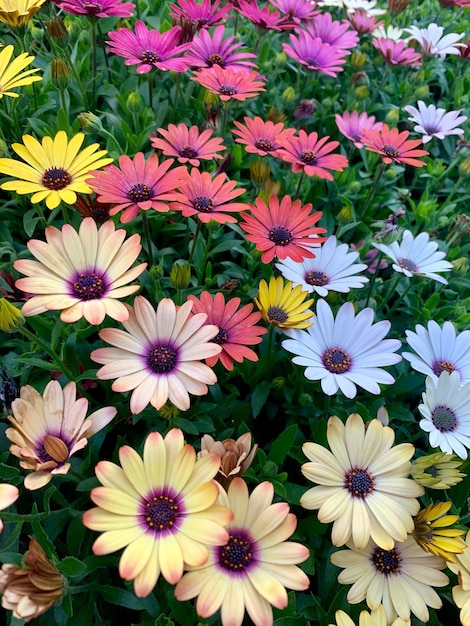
<point>388,32</point>
<point>439,350</point>
<point>432,122</point>
<point>446,413</point>
<point>346,351</point>
<point>433,43</point>
<point>332,269</point>
<point>353,5</point>
<point>416,256</point>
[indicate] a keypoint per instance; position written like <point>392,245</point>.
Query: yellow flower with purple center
<point>161,508</point>
<point>435,531</point>
<point>284,305</point>
<point>11,72</point>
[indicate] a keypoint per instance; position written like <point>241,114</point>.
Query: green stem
<point>380,85</point>
<point>150,86</point>
<point>103,47</point>
<point>269,352</point>
<point>299,184</point>
<point>63,102</point>
<point>372,191</point>
<point>372,280</point>
<point>177,93</point>
<point>148,237</point>
<point>33,517</point>
<point>205,257</point>
<point>93,63</point>
<point>326,408</point>
<point>43,345</point>
<point>196,235</point>
<point>392,289</point>
<point>455,189</point>
<point>400,299</point>
<point>225,116</point>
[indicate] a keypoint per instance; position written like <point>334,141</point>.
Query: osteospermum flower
<point>188,145</point>
<point>208,50</point>
<point>17,13</point>
<point>446,413</point>
<point>229,84</point>
<point>47,429</point>
<point>394,146</point>
<point>363,485</point>
<point>432,122</point>
<point>397,52</point>
<point>251,570</point>
<point>437,471</point>
<point>309,154</point>
<point>137,184</point>
<point>160,508</point>
<point>159,357</point>
<point>402,578</point>
<point>416,256</point>
<point>346,351</point>
<point>103,8</point>
<point>439,349</point>
<point>333,32</point>
<point>263,17</point>
<point>378,617</point>
<point>208,198</point>
<point>352,124</point>
<point>11,72</point>
<point>55,169</point>
<point>203,14</point>
<point>297,10</point>
<point>236,328</point>
<point>362,22</point>
<point>284,305</point>
<point>388,32</point>
<point>434,531</point>
<point>315,54</point>
<point>432,41</point>
<point>149,49</point>
<point>83,274</point>
<point>333,269</point>
<point>8,495</point>
<point>461,591</point>
<point>235,456</point>
<point>259,137</point>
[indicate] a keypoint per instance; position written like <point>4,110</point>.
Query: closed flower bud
<point>346,215</point>
<point>354,187</point>
<point>10,317</point>
<point>180,274</point>
<point>361,92</point>
<point>464,167</point>
<point>392,117</point>
<point>281,58</point>
<point>135,102</point>
<point>422,92</point>
<point>305,399</point>
<point>288,95</point>
<point>259,172</point>
<point>397,6</point>
<point>461,265</point>
<point>275,115</point>
<point>90,121</point>
<point>271,187</point>
<point>390,236</point>
<point>305,109</point>
<point>360,78</point>
<point>60,73</point>
<point>235,456</point>
<point>358,60</point>
<point>278,383</point>
<point>156,272</point>
<point>57,30</point>
<point>169,411</point>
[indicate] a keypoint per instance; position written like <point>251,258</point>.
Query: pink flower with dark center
<point>188,145</point>
<point>364,23</point>
<point>100,8</point>
<point>332,32</point>
<point>352,124</point>
<point>315,54</point>
<point>297,10</point>
<point>262,17</point>
<point>228,84</point>
<point>203,14</point>
<point>394,146</point>
<point>396,52</point>
<point>309,154</point>
<point>149,48</point>
<point>259,137</point>
<point>209,50</point>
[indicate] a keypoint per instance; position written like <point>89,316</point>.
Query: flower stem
<point>392,289</point>
<point>299,184</point>
<point>93,63</point>
<point>148,237</point>
<point>224,119</point>
<point>400,299</point>
<point>150,86</point>
<point>196,235</point>
<point>177,93</point>
<point>372,191</point>
<point>372,280</point>
<point>380,85</point>
<point>43,345</point>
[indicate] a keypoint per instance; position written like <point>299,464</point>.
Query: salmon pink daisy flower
<point>229,84</point>
<point>237,328</point>
<point>309,154</point>
<point>188,145</point>
<point>209,50</point>
<point>8,495</point>
<point>139,184</point>
<point>332,32</point>
<point>159,355</point>
<point>161,508</point>
<point>394,146</point>
<point>315,54</point>
<point>397,52</point>
<point>203,14</point>
<point>208,198</point>
<point>103,8</point>
<point>262,17</point>
<point>284,230</point>
<point>81,273</point>
<point>259,137</point>
<point>352,124</point>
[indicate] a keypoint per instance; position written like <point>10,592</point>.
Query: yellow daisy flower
<point>54,170</point>
<point>437,471</point>
<point>18,12</point>
<point>284,305</point>
<point>10,316</point>
<point>461,592</point>
<point>11,73</point>
<point>377,617</point>
<point>433,533</point>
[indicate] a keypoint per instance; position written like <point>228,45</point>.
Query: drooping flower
<point>377,617</point>
<point>149,49</point>
<point>31,590</point>
<point>333,32</point>
<point>432,41</point>
<point>208,50</point>
<point>363,485</point>
<point>397,52</point>
<point>435,532</point>
<point>416,256</point>
<point>259,137</point>
<point>461,591</point>
<point>346,351</point>
<point>364,23</point>
<point>188,145</point>
<point>251,570</point>
<point>263,17</point>
<point>402,579</point>
<point>47,429</point>
<point>208,198</point>
<point>309,154</point>
<point>299,11</point>
<point>11,318</point>
<point>432,122</point>
<point>315,54</point>
<point>236,327</point>
<point>11,72</point>
<point>439,349</point>
<point>446,413</point>
<point>394,146</point>
<point>103,8</point>
<point>437,471</point>
<point>352,124</point>
<point>229,84</point>
<point>332,269</point>
<point>202,14</point>
<point>235,456</point>
<point>55,169</point>
<point>137,184</point>
<point>284,305</point>
<point>160,508</point>
<point>159,356</point>
<point>82,274</point>
<point>8,495</point>
<point>284,229</point>
<point>16,13</point>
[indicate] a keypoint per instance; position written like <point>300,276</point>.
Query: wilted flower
<point>236,456</point>
<point>10,317</point>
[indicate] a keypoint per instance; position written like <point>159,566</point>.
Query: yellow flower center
<point>56,178</point>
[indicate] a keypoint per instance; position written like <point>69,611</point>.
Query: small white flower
<point>332,269</point>
<point>446,413</point>
<point>433,43</point>
<point>353,5</point>
<point>433,122</point>
<point>388,32</point>
<point>416,256</point>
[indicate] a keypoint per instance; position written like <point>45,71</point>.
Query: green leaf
<point>259,396</point>
<point>282,444</point>
<point>30,219</point>
<point>70,566</point>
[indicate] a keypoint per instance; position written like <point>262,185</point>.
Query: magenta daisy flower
<point>315,54</point>
<point>203,14</point>
<point>209,50</point>
<point>229,84</point>
<point>140,184</point>
<point>394,146</point>
<point>309,154</point>
<point>237,328</point>
<point>363,22</point>
<point>352,124</point>
<point>332,32</point>
<point>188,145</point>
<point>150,48</point>
<point>297,10</point>
<point>258,136</point>
<point>208,198</point>
<point>284,230</point>
<point>262,17</point>
<point>103,8</point>
<point>397,52</point>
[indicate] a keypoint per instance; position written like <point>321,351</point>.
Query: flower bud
<point>235,456</point>
<point>346,215</point>
<point>259,172</point>
<point>278,383</point>
<point>90,121</point>
<point>60,73</point>
<point>392,117</point>
<point>422,92</point>
<point>464,167</point>
<point>358,60</point>
<point>360,78</point>
<point>281,58</point>
<point>180,274</point>
<point>3,149</point>
<point>10,317</point>
<point>305,399</point>
<point>135,102</point>
<point>361,92</point>
<point>288,95</point>
<point>169,411</point>
<point>275,115</point>
<point>461,265</point>
<point>57,30</point>
<point>305,109</point>
<point>156,272</point>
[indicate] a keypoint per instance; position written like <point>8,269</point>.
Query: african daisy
<point>432,122</point>
<point>352,124</point>
<point>259,137</point>
<point>284,305</point>
<point>12,74</point>
<point>229,84</point>
<point>394,146</point>
<point>208,50</point>
<point>188,145</point>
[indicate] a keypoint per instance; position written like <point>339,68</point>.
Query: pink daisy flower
<point>103,8</point>
<point>309,154</point>
<point>209,50</point>
<point>363,22</point>
<point>188,145</point>
<point>315,54</point>
<point>284,230</point>
<point>236,326</point>
<point>262,17</point>
<point>229,84</point>
<point>396,52</point>
<point>150,48</point>
<point>259,137</point>
<point>394,146</point>
<point>332,32</point>
<point>202,14</point>
<point>297,10</point>
<point>352,124</point>
<point>208,198</point>
<point>140,184</point>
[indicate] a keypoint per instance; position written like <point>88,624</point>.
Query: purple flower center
<point>187,152</point>
<point>221,337</point>
<point>390,151</point>
<point>203,204</point>
<point>442,366</point>
<point>88,286</point>
<point>216,59</point>
<point>280,235</point>
<point>358,482</point>
<point>53,449</point>
<point>162,359</point>
<point>444,418</point>
<point>408,264</point>
<point>336,361</point>
<point>56,178</point>
<point>237,554</point>
<point>316,278</point>
<point>264,144</point>
<point>276,315</point>
<point>312,63</point>
<point>161,513</point>
<point>386,561</point>
<point>308,157</point>
<point>149,57</point>
<point>227,90</point>
<point>140,192</point>
<point>92,7</point>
